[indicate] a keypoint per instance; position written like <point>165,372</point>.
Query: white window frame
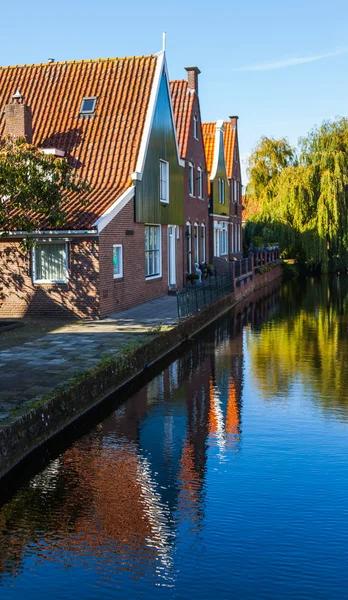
<point>164,164</point>
<point>203,240</point>
<point>234,191</point>
<point>223,238</point>
<point>221,194</point>
<point>48,243</point>
<point>120,276</point>
<point>88,112</point>
<point>195,127</point>
<point>216,239</point>
<point>157,276</point>
<point>191,180</point>
<point>232,238</point>
<point>200,183</point>
<point>189,246</point>
<point>239,238</point>
<point>196,243</point>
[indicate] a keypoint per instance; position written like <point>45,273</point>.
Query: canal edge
<point>45,417</point>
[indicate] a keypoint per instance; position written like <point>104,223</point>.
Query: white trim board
<point>114,209</point>
<point>160,67</point>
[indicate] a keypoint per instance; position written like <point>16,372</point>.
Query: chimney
<point>192,78</point>
<point>234,122</point>
<point>19,118</point>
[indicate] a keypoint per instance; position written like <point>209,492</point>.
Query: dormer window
<point>195,127</point>
<point>88,106</point>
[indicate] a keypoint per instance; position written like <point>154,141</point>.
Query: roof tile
<point>103,148</point>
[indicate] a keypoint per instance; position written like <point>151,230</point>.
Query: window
<point>164,181</point>
<point>196,247</point>
<point>216,239</point>
<point>152,250</point>
<point>232,236</point>
<point>191,180</point>
<point>195,127</point>
<point>200,182</point>
<point>221,191</point>
<point>203,244</point>
<point>223,238</point>
<point>239,239</point>
<point>234,190</point>
<point>50,263</point>
<point>188,247</point>
<point>88,106</point>
<point>117,259</point>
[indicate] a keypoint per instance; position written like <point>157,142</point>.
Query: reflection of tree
<point>307,341</point>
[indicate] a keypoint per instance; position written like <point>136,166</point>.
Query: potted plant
<point>257,242</point>
<point>193,277</point>
<point>211,270</point>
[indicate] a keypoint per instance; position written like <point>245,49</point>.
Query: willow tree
<point>307,196</point>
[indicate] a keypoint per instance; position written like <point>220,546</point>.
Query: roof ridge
<point>78,61</point>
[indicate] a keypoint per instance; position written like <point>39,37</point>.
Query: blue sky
<point>281,66</point>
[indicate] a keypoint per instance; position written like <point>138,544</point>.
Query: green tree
<point>33,186</point>
<point>305,199</point>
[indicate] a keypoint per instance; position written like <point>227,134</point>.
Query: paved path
<point>37,366</point>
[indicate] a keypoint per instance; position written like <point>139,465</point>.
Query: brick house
<point>188,123</point>
<point>113,121</point>
<point>225,188</point>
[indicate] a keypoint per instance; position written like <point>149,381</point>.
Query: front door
<point>172,255</point>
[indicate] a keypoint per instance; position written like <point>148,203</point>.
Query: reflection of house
<point>112,119</point>
<point>225,188</point>
<point>189,127</point>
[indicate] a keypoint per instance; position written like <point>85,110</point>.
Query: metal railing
<point>200,295</point>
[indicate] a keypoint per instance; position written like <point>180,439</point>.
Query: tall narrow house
<point>188,122</point>
<point>112,119</point>
<point>225,188</point>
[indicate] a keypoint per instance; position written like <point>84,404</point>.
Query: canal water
<point>226,476</point>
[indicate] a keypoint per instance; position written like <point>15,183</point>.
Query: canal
<point>225,476</point>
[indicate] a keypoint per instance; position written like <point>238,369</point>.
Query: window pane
<point>50,262</point>
<point>117,261</point>
<point>88,105</point>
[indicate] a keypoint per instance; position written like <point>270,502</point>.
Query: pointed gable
<point>104,147</point>
<point>162,145</point>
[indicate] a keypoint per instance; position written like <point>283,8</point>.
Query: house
<point>225,188</point>
<point>188,123</point>
<point>113,121</point>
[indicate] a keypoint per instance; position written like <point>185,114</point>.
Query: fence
<point>197,296</point>
<point>192,299</point>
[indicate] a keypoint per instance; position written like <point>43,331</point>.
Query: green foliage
<point>303,201</point>
<point>32,187</point>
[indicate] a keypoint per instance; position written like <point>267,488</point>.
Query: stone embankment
<point>36,422</point>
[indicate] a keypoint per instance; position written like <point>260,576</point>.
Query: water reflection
<point>308,348</point>
<point>114,503</point>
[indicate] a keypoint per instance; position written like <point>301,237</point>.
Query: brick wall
<point>133,288</point>
<point>196,210</point>
<point>19,297</point>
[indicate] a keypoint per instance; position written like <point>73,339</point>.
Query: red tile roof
<point>104,148</point>
<point>208,130</point>
<point>182,101</point>
<point>229,147</point>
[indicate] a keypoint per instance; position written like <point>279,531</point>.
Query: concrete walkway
<point>37,365</point>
